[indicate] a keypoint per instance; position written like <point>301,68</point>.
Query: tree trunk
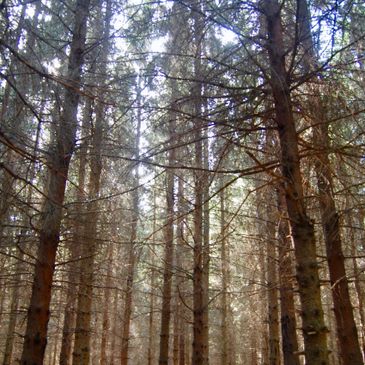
<point>287,305</point>
<point>78,218</point>
<point>272,291</point>
<point>314,329</point>
<point>169,237</point>
<point>132,254</point>
<point>106,309</point>
<point>10,332</point>
<point>38,313</point>
<point>346,328</point>
<point>82,352</point>
<point>200,348</point>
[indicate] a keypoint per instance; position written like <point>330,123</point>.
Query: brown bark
<point>200,344</point>
<point>78,217</point>
<point>10,332</point>
<point>106,320</point>
<point>346,328</point>
<point>227,356</point>
<point>287,305</point>
<point>314,329</point>
<point>38,313</point>
<point>169,236</point>
<point>151,319</point>
<point>132,254</point>
<point>151,322</point>
<point>82,350</point>
<point>128,301</point>
<point>114,331</point>
<point>81,353</point>
<point>272,291</point>
<point>179,279</point>
<point>206,244</point>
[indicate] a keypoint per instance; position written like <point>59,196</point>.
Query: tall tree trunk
<point>200,348</point>
<point>132,254</point>
<point>180,265</point>
<point>106,309</point>
<point>82,351</point>
<point>225,335</point>
<point>10,332</point>
<point>272,291</point>
<point>314,329</point>
<point>169,236</point>
<point>35,339</point>
<point>346,328</point>
<point>115,326</point>
<point>287,305</point>
<point>78,217</point>
<point>206,243</point>
<point>151,321</point>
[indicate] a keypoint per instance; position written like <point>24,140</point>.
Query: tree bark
<point>272,291</point>
<point>78,218</point>
<point>132,254</point>
<point>169,237</point>
<point>287,305</point>
<point>200,345</point>
<point>82,351</point>
<point>38,313</point>
<point>314,329</point>
<point>106,309</point>
<point>346,328</point>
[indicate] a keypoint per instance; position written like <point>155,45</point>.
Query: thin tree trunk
<point>314,329</point>
<point>10,333</point>
<point>225,338</point>
<point>151,322</point>
<point>114,332</point>
<point>180,266</point>
<point>106,321</point>
<point>169,237</point>
<point>132,255</point>
<point>82,351</point>
<point>272,292</point>
<point>35,339</point>
<point>75,266</point>
<point>199,355</point>
<point>287,304</point>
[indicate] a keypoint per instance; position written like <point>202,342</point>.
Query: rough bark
<point>169,236</point>
<point>38,313</point>
<point>106,309</point>
<point>82,351</point>
<point>346,328</point>
<point>132,254</point>
<point>200,345</point>
<point>314,329</point>
<point>10,332</point>
<point>286,275</point>
<point>345,323</point>
<point>272,291</point>
<point>78,217</point>
<point>226,343</point>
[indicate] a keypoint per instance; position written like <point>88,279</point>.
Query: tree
<point>38,312</point>
<point>314,329</point>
